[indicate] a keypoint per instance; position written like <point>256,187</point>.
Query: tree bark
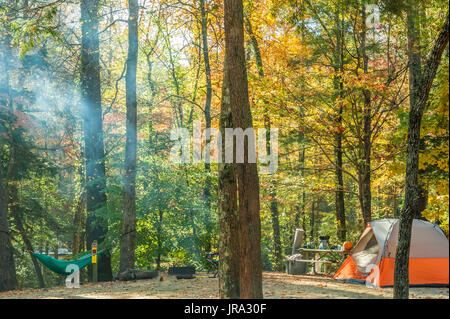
<point>8,279</point>
<point>207,111</point>
<point>152,85</point>
<point>13,197</point>
<point>96,227</point>
<point>128,240</point>
<point>255,45</point>
<point>228,211</point>
<point>205,49</point>
<point>159,239</point>
<point>312,222</point>
<point>420,85</point>
<point>250,271</point>
<point>304,214</point>
<point>365,169</point>
<point>178,105</point>
<point>78,223</point>
<point>277,249</point>
<point>338,85</point>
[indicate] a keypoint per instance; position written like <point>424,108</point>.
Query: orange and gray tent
<point>373,257</point>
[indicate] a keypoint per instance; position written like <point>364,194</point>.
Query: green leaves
<point>31,28</point>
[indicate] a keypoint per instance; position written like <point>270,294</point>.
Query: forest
<point>170,130</point>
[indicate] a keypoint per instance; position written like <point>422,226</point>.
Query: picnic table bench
<point>300,257</point>
<point>316,257</point>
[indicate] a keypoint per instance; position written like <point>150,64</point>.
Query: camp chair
<point>214,260</point>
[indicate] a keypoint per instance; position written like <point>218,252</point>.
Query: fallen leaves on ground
<point>276,286</point>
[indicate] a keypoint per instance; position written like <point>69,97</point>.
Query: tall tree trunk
<point>420,85</point>
<point>339,194</point>
<point>304,215</point>
<point>179,115</point>
<point>159,239</point>
<point>250,271</point>
<point>227,206</point>
<point>77,237</point>
<point>8,279</point>
<point>128,240</point>
<point>255,45</point>
<point>312,222</point>
<point>96,227</point>
<point>56,248</point>
<point>13,197</point>
<point>152,85</point>
<point>367,133</point>
<point>338,152</point>
<point>79,220</point>
<point>205,49</point>
<point>277,249</point>
<point>425,42</point>
<point>395,207</point>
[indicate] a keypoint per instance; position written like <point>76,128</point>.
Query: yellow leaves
<point>396,168</point>
<point>443,164</point>
<point>438,204</point>
<point>435,157</point>
<point>442,189</point>
<point>441,131</point>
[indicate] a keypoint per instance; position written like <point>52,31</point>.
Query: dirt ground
<point>276,286</point>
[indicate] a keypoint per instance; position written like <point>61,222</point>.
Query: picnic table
<point>319,257</point>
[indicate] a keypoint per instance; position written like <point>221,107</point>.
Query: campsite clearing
<point>276,286</point>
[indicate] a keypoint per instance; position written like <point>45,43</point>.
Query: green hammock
<point>59,266</point>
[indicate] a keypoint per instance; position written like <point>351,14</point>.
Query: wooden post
<point>94,262</point>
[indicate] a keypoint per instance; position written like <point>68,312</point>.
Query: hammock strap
<point>127,233</point>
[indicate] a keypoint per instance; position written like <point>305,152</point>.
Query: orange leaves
<point>22,120</point>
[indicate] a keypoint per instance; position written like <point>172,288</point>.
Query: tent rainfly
<point>373,257</point>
